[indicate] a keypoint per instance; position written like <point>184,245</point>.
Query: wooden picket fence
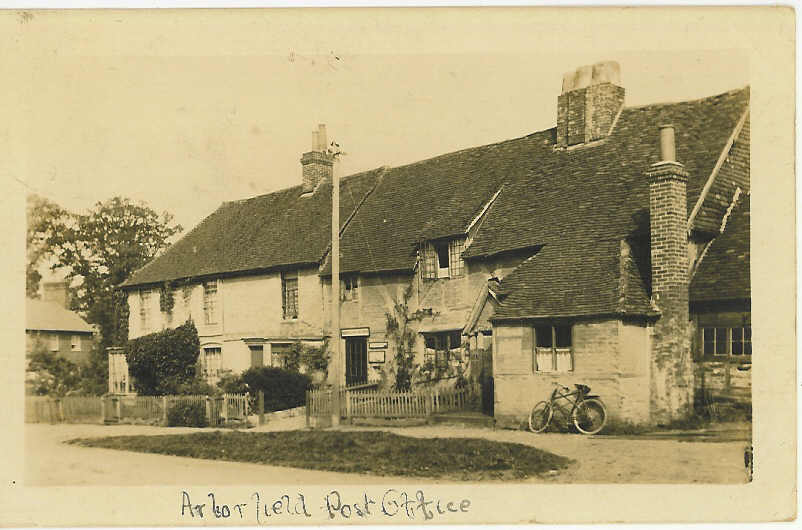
<point>375,404</point>
<point>220,410</point>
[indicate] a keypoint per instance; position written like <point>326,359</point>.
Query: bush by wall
<point>163,362</point>
<point>187,415</point>
<point>284,389</point>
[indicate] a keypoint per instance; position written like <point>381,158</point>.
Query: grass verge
<point>373,452</point>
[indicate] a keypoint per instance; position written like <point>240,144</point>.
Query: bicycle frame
<point>558,394</point>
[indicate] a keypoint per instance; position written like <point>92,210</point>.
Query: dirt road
<point>48,461</point>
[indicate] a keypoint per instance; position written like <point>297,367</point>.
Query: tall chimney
<point>56,292</point>
<point>590,100</point>
<point>317,164</point>
<point>671,385</point>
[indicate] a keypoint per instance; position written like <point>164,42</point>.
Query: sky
<point>185,112</point>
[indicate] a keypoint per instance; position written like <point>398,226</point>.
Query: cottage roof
<point>50,316</point>
<point>723,273</point>
<point>280,229</point>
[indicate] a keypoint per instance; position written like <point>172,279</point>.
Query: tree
<point>99,250</point>
<point>43,215</point>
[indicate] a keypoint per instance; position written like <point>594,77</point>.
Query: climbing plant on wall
<point>401,335</point>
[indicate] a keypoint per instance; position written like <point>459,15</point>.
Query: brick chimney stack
<point>56,292</point>
<point>591,99</point>
<point>317,165</point>
<point>671,369</point>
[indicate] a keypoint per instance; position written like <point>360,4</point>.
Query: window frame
<point>443,346</point>
<point>451,249</point>
<point>552,349</point>
<point>746,342</point>
<point>211,299</point>
<point>144,309</point>
<point>349,288</point>
<point>288,295</point>
<point>75,342</point>
<point>212,375</point>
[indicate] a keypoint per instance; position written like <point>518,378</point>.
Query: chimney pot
<point>668,150</point>
<point>321,137</point>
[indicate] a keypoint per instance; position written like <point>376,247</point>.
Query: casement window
<point>212,363</point>
<point>53,342</point>
<point>441,348</point>
<point>443,259</point>
<point>210,302</point>
<point>75,343</point>
<point>144,310</point>
<point>349,288</point>
<point>278,355</point>
<point>553,351</point>
<point>724,341</point>
<point>289,294</point>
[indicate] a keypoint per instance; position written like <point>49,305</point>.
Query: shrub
<point>54,375</point>
<point>184,414</point>
<point>161,363</point>
<point>284,389</point>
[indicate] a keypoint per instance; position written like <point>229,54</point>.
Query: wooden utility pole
<point>339,371</point>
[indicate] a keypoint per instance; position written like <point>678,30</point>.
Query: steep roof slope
<point>601,190</point>
<point>723,273</point>
<point>262,233</point>
<point>433,198</point>
<point>50,316</point>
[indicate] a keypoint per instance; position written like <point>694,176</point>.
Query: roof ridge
<point>682,101</point>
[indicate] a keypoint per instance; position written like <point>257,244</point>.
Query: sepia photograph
<point>350,280</point>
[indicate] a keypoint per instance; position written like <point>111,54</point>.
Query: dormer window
<point>443,259</point>
<point>349,288</point>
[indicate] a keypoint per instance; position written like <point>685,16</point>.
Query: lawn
<point>373,452</point>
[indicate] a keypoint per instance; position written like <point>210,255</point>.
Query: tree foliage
<point>100,249</point>
<point>51,374</point>
<point>164,362</point>
<point>43,216</point>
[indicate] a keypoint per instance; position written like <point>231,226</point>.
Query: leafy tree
<point>100,249</point>
<point>43,216</point>
<point>52,375</point>
<point>164,362</point>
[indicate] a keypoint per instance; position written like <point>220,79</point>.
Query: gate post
<point>102,409</point>
<point>164,409</point>
<point>260,406</point>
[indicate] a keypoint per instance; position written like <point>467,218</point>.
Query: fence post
<point>60,403</point>
<point>102,409</point>
<point>164,409</point>
<point>225,408</point>
<point>308,397</point>
<point>208,410</point>
<point>260,406</point>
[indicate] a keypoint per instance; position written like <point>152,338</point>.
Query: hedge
<point>284,389</point>
<point>163,362</point>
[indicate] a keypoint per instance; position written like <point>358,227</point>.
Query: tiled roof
<point>261,233</point>
<point>601,190</point>
<point>723,273</point>
<point>433,198</point>
<point>572,278</point>
<point>50,316</point>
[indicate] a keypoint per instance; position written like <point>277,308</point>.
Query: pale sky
<point>184,111</point>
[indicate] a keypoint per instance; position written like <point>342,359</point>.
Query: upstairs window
<point>349,288</point>
<point>553,351</point>
<point>443,259</point>
<point>144,310</point>
<point>186,295</point>
<point>210,302</point>
<point>724,341</point>
<point>289,294</point>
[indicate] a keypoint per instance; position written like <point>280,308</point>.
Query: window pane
<point>737,341</point>
<point>455,339</point>
<point>430,342</point>
<point>563,334</point>
<point>721,341</point>
<point>709,338</point>
<point>565,361</point>
<point>748,340</point>
<point>442,255</point>
<point>544,358</point>
<point>543,336</point>
<point>456,265</point>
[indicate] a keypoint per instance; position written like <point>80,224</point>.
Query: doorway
<point>356,360</point>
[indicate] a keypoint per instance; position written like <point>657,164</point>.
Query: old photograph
<point>297,263</point>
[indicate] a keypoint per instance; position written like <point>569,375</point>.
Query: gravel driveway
<point>599,459</point>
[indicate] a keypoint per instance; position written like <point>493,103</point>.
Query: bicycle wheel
<point>590,416</point>
<point>540,417</point>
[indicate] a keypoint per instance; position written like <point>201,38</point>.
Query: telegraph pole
<point>338,364</point>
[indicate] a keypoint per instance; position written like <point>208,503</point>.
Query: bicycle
<point>587,412</point>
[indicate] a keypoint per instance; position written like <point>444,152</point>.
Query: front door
<point>356,360</point>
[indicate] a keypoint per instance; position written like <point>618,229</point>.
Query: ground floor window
<point>726,341</point>
<point>279,354</point>
<point>441,348</point>
<point>212,363</point>
<point>257,355</point>
<point>553,348</point>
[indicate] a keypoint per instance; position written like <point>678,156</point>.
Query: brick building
<point>577,254</point>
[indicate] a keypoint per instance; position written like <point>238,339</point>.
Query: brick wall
<point>671,364</point>
<point>586,114</point>
<point>610,356</point>
<point>316,167</point>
